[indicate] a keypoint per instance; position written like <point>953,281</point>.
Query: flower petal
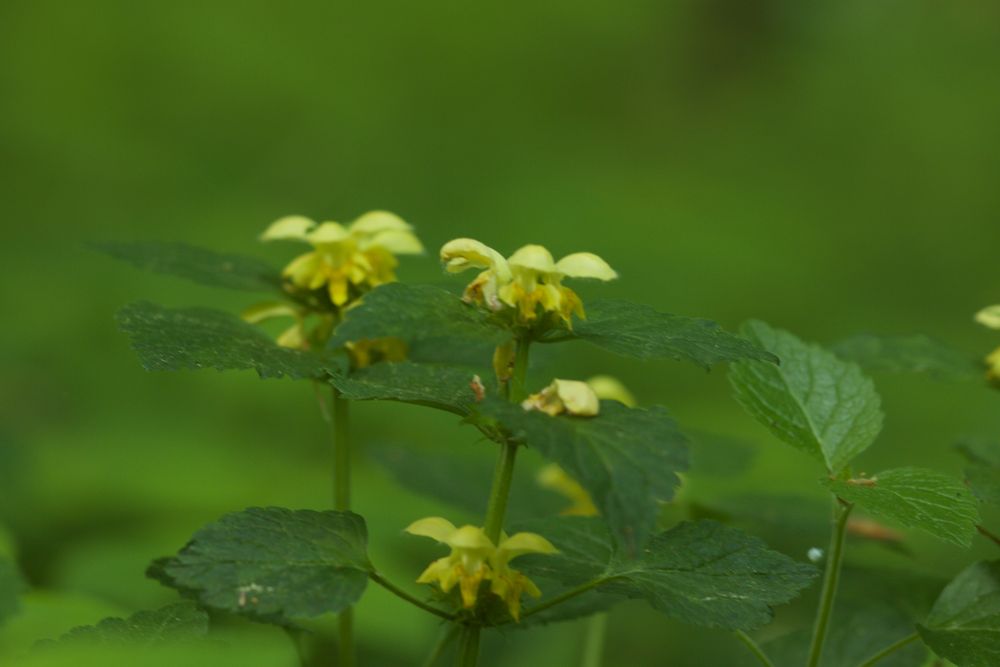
<point>290,227</point>
<point>397,242</point>
<point>585,265</point>
<point>433,527</point>
<point>374,222</point>
<point>461,254</point>
<point>268,310</point>
<point>328,232</point>
<point>519,544</point>
<point>578,398</point>
<point>611,388</point>
<point>533,257</point>
<point>989,317</point>
<point>469,537</point>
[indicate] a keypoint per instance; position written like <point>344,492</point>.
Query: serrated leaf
<point>182,621</point>
<point>916,498</point>
<point>908,354</point>
<point>194,338</point>
<point>416,313</point>
<point>626,458</point>
<point>197,264</point>
<point>700,572</point>
<point>11,587</point>
<point>983,471</point>
<point>273,564</point>
<point>964,625</point>
<point>434,385</point>
<point>813,401</point>
<point>635,330</point>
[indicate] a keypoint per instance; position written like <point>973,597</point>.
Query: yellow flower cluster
<point>475,559</point>
<point>345,260</point>
<point>529,281</point>
<point>990,317</point>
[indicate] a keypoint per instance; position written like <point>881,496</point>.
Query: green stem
<point>468,646</point>
<point>988,535</point>
<point>403,595</point>
<point>889,650</point>
<point>754,648</point>
<point>831,576</point>
<point>447,637</point>
<point>517,388</point>
<point>593,646</point>
<point>559,599</point>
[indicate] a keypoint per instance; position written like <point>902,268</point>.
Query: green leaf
<point>916,498</point>
<point>417,313</point>
<point>182,621</point>
<point>194,338</point>
<point>908,354</point>
<point>701,573</point>
<point>964,625</point>
<point>715,455</point>
<point>983,471</point>
<point>627,458</point>
<point>273,564</point>
<point>434,385</point>
<point>635,330</point>
<point>11,587</point>
<point>813,400</point>
<point>197,264</point>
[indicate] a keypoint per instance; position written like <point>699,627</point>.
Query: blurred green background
<point>828,167</point>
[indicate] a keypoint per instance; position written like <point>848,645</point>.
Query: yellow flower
<point>369,351</point>
<point>528,281</point>
<point>347,261</point>
<point>570,396</point>
<point>296,336</point>
<point>990,317</point>
<point>612,389</point>
<point>474,559</point>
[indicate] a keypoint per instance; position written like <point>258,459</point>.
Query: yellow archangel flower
<point>528,281</point>
<point>475,559</point>
<point>295,336</point>
<point>346,260</point>
<point>990,317</point>
<point>565,396</point>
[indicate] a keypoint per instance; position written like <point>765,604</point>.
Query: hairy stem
<point>755,648</point>
<point>403,595</point>
<point>593,642</point>
<point>890,649</point>
<point>831,577</point>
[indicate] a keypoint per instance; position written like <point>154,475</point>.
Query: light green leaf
<point>417,313</point>
<point>273,564</point>
<point>635,330</point>
<point>198,264</point>
<point>908,354</point>
<point>813,400</point>
<point>11,587</point>
<point>983,471</point>
<point>916,498</point>
<point>194,338</point>
<point>701,573</point>
<point>434,385</point>
<point>182,621</point>
<point>964,625</point>
<point>627,458</point>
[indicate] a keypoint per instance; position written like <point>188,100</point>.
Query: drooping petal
<point>374,222</point>
<point>578,398</point>
<point>294,227</point>
<point>533,257</point>
<point>328,232</point>
<point>436,571</point>
<point>398,242</point>
<point>302,269</point>
<point>461,254</point>
<point>519,544</point>
<point>585,265</point>
<point>292,337</point>
<point>267,310</point>
<point>989,317</point>
<point>612,389</point>
<point>554,478</point>
<point>469,537</point>
<point>433,527</point>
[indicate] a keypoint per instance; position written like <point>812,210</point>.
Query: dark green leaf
<point>194,338</point>
<point>983,470</point>
<point>274,564</point>
<point>417,313</point>
<point>813,400</point>
<point>177,622</point>
<point>443,387</point>
<point>627,458</point>
<point>11,587</point>
<point>964,625</point>
<point>701,573</point>
<point>908,354</point>
<point>916,498</point>
<point>635,330</point>
<point>198,264</point>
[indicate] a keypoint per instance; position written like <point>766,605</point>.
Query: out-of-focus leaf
<point>434,385</point>
<point>983,470</point>
<point>635,330</point>
<point>627,458</point>
<point>812,400</point>
<point>908,354</point>
<point>273,564</point>
<point>194,338</point>
<point>701,573</point>
<point>11,586</point>
<point>198,264</point>
<point>964,625</point>
<point>182,621</point>
<point>916,498</point>
<point>717,455</point>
